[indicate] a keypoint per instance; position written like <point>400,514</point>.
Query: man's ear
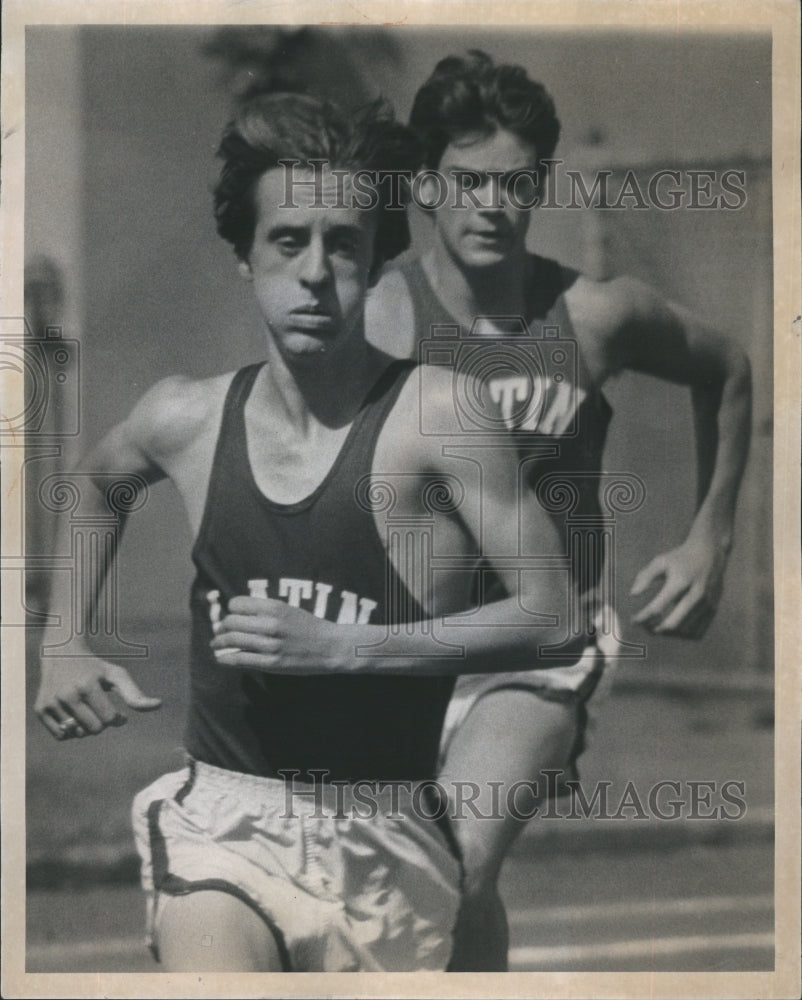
<point>244,268</point>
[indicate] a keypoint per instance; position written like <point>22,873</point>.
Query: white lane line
<point>571,954</point>
<point>124,946</point>
<point>643,908</point>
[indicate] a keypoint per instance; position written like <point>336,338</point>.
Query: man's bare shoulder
<point>423,414</point>
<point>391,286</point>
<point>429,406</point>
<point>389,317</point>
<point>432,394</point>
<point>176,412</point>
<point>606,314</point>
<point>603,307</point>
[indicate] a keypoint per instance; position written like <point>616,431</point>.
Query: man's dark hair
<point>273,127</point>
<point>473,95</point>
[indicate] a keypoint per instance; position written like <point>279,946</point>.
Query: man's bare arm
<point>78,687</point>
<point>666,340</point>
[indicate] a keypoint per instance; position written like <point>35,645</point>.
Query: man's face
<point>484,227</point>
<point>309,264</point>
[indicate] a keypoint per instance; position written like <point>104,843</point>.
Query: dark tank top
<point>322,554</point>
<point>519,373</point>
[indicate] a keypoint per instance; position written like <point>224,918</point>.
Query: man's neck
<point>468,293</point>
<point>325,391</point>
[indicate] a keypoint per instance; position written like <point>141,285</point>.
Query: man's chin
<point>492,255</point>
<point>303,346</point>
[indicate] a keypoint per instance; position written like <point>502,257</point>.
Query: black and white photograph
<point>400,557</point>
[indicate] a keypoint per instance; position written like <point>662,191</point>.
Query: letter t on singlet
<point>294,590</point>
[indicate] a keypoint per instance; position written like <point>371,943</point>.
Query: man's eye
<point>521,182</point>
<point>470,179</point>
<point>288,244</point>
<point>347,245</point>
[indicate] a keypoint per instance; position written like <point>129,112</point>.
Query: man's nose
<point>491,195</point>
<point>314,265</point>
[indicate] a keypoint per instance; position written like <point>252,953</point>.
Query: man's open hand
<point>691,579</point>
<point>74,696</point>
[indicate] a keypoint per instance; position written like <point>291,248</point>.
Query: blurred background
<point>122,125</point>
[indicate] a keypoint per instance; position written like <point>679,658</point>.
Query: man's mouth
<point>311,317</point>
<point>492,235</point>
<point>311,307</point>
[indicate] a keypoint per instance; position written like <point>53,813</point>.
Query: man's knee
<point>483,844</point>
<point>495,775</point>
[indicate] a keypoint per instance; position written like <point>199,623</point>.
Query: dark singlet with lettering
<point>323,554</point>
<point>533,380</point>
